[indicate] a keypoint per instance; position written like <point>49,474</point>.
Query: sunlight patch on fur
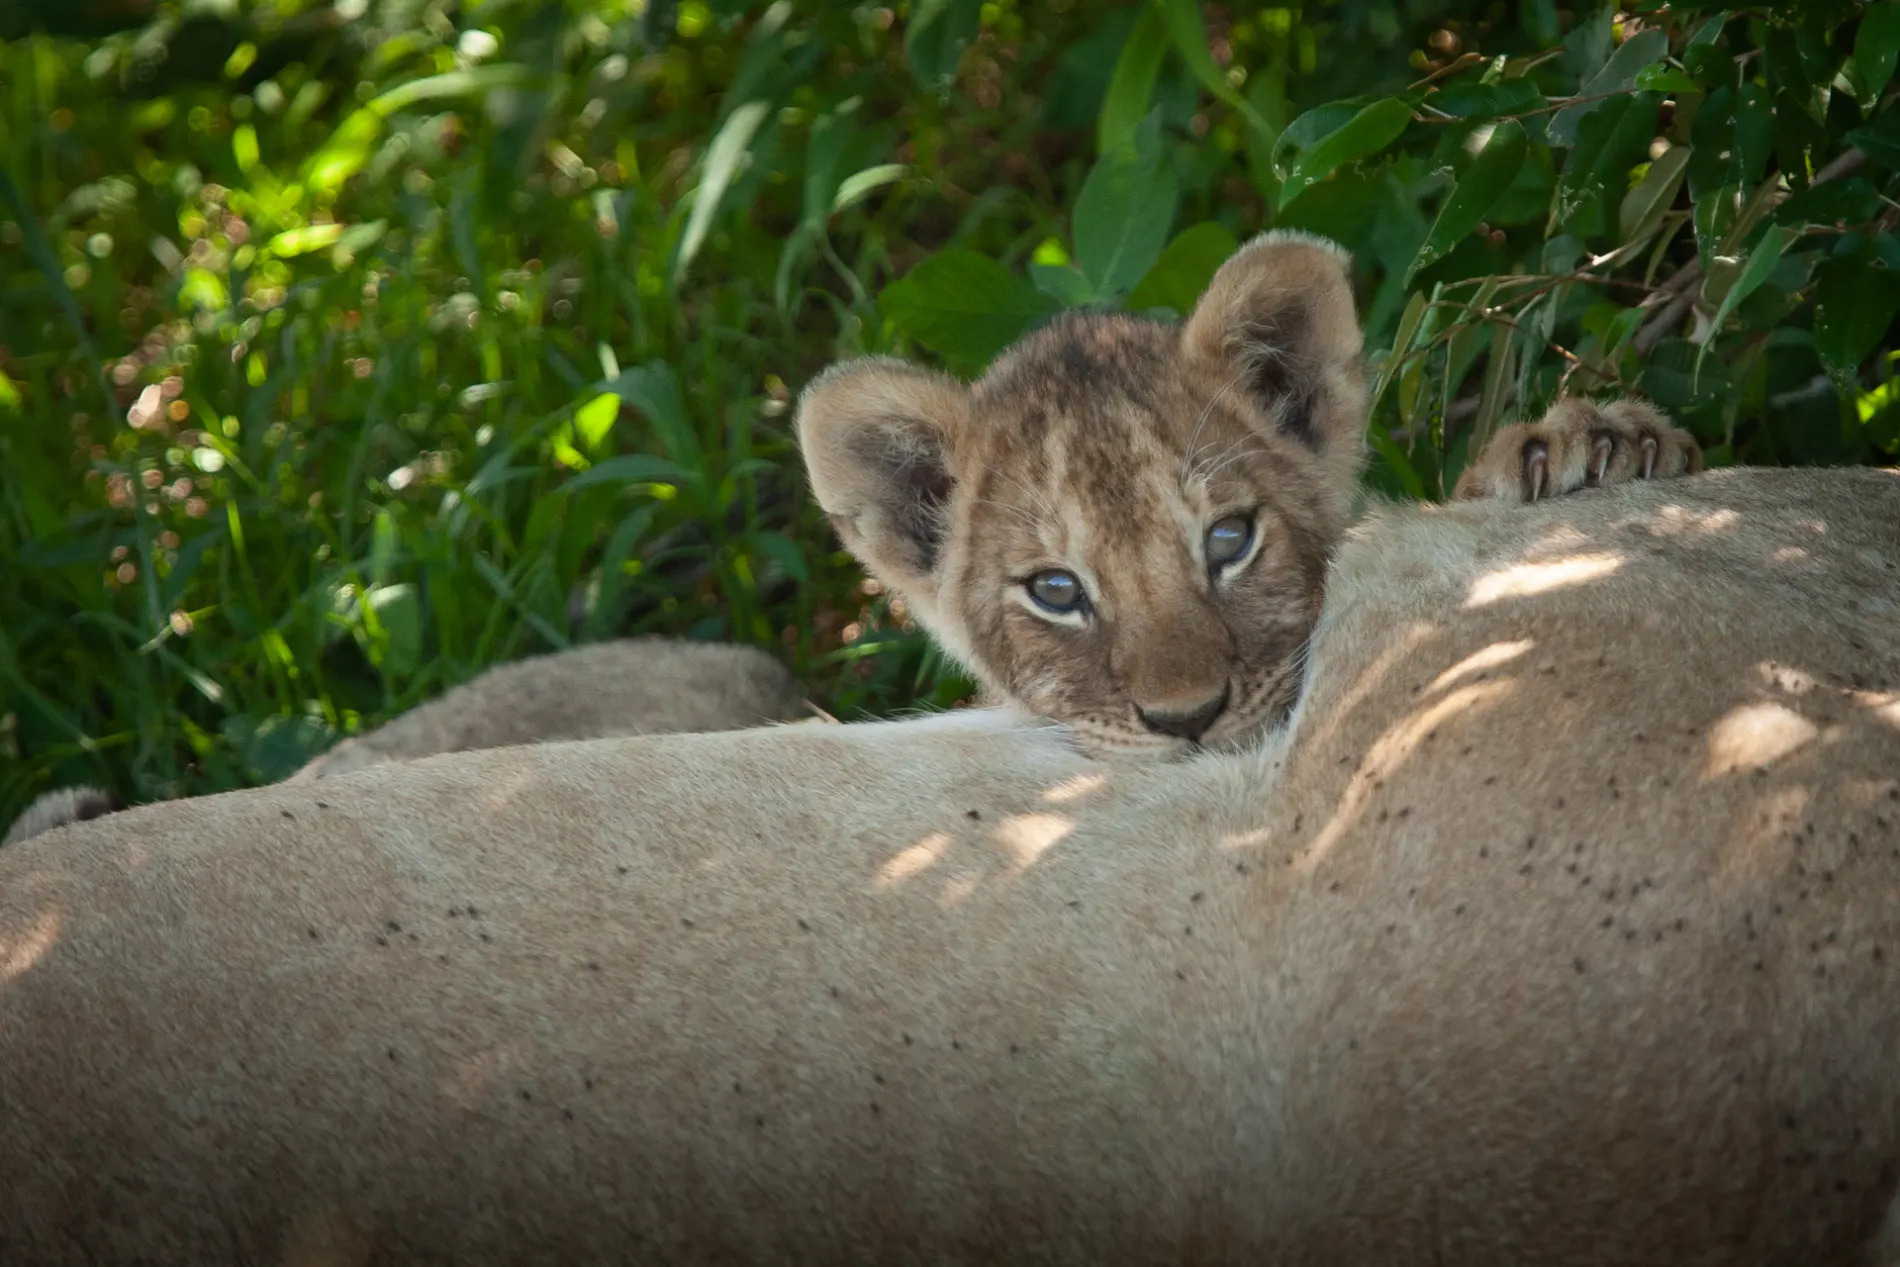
<point>1522,580</point>
<point>20,953</point>
<point>1029,836</point>
<point>913,861</point>
<point>1075,788</point>
<point>1252,838</point>
<point>1884,705</point>
<point>1679,521</point>
<point>1489,658</point>
<point>1389,752</point>
<point>1756,735</point>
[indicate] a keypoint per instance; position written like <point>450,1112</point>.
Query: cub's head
<point>1123,525</point>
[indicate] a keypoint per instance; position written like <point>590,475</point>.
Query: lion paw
<point>1579,444</point>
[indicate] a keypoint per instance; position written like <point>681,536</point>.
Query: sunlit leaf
<point>723,157</point>
<point>1478,190</point>
<point>1654,194</point>
<point>858,186</point>
<point>1365,134</point>
<point>1761,262</point>
<point>594,420</point>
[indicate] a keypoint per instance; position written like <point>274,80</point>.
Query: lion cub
<point>1124,525</point>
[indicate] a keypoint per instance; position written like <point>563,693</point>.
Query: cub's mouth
<point>1269,708</point>
<point>1265,705</point>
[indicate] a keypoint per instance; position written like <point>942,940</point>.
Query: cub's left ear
<point>1278,320</point>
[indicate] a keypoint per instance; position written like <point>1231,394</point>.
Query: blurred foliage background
<point>350,346</point>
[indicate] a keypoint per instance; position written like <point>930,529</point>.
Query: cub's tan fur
<point>1106,447</point>
<point>630,686</point>
<point>1559,928</point>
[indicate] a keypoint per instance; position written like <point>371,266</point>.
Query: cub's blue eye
<point>1228,540</point>
<point>1056,590</point>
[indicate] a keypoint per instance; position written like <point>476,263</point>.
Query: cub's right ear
<point>879,436</point>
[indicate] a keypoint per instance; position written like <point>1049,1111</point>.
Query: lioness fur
<point>1559,927</point>
<point>1112,452</point>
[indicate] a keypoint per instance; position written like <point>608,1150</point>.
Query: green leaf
<point>963,306</point>
<point>1478,190</point>
<point>1396,462</point>
<point>1362,136</point>
<point>832,136</point>
<point>1854,305</point>
<point>654,391</point>
<point>1676,377</point>
<point>1657,77</point>
<point>1184,269</point>
<point>1063,283</point>
<point>723,157</point>
<point>1850,201</point>
<point>1761,262</point>
<point>1409,322</point>
<point>1654,194</point>
<point>1754,134</point>
<point>1310,127</point>
<point>1714,213</point>
<point>1470,332</point>
<point>398,610</point>
<point>858,186</point>
<point>1712,144</point>
<point>1618,75</point>
<point>1132,85</point>
<point>1122,218</point>
<point>1608,143</point>
<point>939,32</point>
<point>1880,140</point>
<point>1497,379</point>
<point>1189,33</point>
<point>1475,100</point>
<point>781,550</point>
<point>631,468</point>
<point>595,419</point>
<point>1876,47</point>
